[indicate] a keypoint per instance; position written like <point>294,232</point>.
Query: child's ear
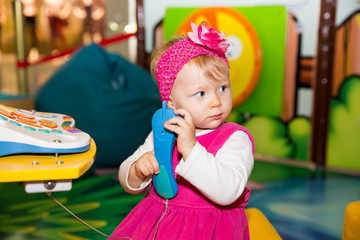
<point>170,103</point>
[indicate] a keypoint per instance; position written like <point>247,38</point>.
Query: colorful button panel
<point>19,117</point>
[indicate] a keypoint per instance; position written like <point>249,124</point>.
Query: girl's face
<point>209,102</point>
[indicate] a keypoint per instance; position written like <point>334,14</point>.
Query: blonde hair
<point>213,67</point>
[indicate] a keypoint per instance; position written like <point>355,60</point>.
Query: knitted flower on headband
<point>207,36</point>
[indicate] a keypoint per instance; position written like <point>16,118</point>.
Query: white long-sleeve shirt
<point>222,178</point>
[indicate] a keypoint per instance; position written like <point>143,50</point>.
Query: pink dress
<point>190,214</point>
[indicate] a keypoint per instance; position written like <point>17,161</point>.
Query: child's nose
<point>215,101</point>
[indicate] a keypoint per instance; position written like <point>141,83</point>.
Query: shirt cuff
<point>143,186</point>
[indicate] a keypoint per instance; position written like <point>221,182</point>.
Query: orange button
<point>24,115</point>
<point>7,114</point>
<point>48,123</point>
<point>28,122</point>
<point>27,119</point>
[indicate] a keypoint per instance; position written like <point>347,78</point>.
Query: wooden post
<point>322,82</point>
<point>142,57</point>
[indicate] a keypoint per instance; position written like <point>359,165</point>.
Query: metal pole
<point>20,47</point>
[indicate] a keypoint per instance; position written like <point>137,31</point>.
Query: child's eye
<point>200,94</point>
<point>222,89</point>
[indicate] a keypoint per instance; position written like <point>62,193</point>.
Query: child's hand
<point>145,166</point>
<point>185,129</point>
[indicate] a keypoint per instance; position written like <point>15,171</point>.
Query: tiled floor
<point>307,205</point>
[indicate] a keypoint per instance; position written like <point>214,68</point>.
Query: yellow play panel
<point>22,168</point>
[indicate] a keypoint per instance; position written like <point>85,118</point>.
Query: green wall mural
<point>343,149</point>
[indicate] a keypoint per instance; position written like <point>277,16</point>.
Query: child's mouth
<point>216,117</point>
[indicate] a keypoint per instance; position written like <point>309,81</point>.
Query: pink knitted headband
<point>202,41</point>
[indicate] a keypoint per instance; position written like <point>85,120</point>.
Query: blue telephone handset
<point>164,182</point>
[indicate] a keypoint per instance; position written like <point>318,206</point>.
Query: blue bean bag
<point>110,98</point>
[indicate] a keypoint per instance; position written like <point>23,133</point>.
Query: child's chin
<point>213,125</point>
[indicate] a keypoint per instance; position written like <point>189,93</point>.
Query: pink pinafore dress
<point>190,214</point>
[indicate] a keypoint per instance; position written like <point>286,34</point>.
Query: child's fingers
<point>154,163</point>
<point>148,164</point>
<point>141,171</point>
<point>185,114</point>
<point>175,121</point>
<point>178,124</point>
<point>146,169</point>
<point>174,124</point>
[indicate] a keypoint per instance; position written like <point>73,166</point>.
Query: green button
<point>44,131</point>
<point>15,123</point>
<point>56,131</point>
<point>30,128</point>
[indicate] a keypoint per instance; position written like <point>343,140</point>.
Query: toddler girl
<point>212,159</point>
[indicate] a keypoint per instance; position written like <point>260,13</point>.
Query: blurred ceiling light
<point>130,28</point>
<point>113,26</point>
<point>79,12</point>
<point>97,13</point>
